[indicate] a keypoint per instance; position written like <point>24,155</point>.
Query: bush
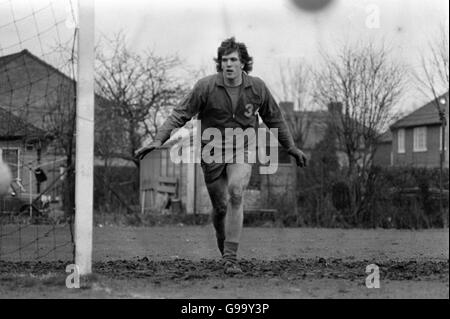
<point>395,197</point>
<point>408,197</point>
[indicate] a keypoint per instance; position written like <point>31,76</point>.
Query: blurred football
<point>311,5</point>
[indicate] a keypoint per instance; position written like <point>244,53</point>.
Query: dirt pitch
<point>183,262</point>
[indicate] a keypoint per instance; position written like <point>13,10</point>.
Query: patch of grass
<point>19,280</point>
<point>54,280</point>
<point>87,282</point>
<point>28,282</point>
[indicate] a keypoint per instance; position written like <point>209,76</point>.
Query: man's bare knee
<point>235,192</point>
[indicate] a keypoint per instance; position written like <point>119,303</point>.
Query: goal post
<point>84,164</point>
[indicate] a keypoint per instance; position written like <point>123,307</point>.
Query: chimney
<point>335,107</point>
<point>287,107</point>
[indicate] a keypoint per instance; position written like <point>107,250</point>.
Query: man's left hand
<point>299,156</point>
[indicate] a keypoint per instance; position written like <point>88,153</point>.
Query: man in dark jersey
<point>229,99</point>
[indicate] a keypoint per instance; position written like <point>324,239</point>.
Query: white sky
<point>274,30</point>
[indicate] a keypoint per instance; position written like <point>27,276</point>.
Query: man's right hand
<point>140,153</point>
<point>299,156</point>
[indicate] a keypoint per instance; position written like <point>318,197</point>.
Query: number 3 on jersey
<point>248,110</point>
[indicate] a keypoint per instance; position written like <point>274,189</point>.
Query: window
<point>11,157</point>
<point>420,139</point>
<point>164,159</point>
<point>29,147</point>
<point>401,140</point>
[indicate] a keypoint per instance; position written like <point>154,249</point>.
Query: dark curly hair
<point>229,46</point>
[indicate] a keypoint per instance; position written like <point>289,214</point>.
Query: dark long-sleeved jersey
<point>210,100</point>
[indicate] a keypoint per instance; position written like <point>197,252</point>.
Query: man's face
<point>232,66</point>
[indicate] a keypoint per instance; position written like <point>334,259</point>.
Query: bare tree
<point>364,85</point>
<point>433,82</point>
<point>142,87</point>
<point>433,77</point>
<point>295,86</point>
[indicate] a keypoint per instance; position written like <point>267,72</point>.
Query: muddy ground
<point>183,262</point>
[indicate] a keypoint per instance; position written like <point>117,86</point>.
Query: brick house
<point>383,154</point>
<point>38,98</point>
<point>417,138</point>
<point>41,98</point>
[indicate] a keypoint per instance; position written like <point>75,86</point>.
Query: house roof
<point>386,137</point>
<point>4,60</point>
<point>425,115</point>
<point>13,127</point>
<point>317,123</point>
<point>20,126</point>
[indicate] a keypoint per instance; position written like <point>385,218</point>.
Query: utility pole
<point>442,101</point>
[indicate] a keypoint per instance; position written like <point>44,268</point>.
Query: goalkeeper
<point>229,98</point>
